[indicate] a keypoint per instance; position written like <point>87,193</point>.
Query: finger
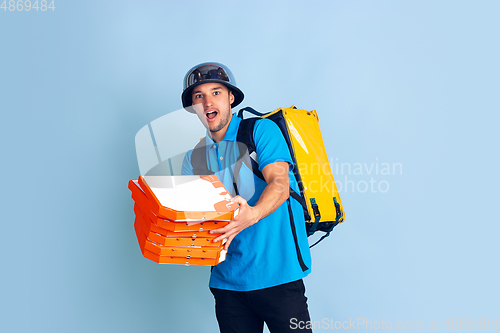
<point>239,200</point>
<point>228,234</point>
<point>226,246</point>
<point>224,229</point>
<point>217,231</point>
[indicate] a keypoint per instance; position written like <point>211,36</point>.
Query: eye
<point>216,92</point>
<point>197,96</point>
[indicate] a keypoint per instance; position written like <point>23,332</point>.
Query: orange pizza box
<point>176,241</point>
<point>176,251</point>
<point>182,261</point>
<point>188,197</point>
<point>188,224</point>
<point>183,226</point>
<point>151,226</point>
<point>138,194</point>
<point>177,226</point>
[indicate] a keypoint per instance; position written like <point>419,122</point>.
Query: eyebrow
<point>199,91</point>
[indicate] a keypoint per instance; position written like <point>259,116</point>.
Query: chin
<point>214,129</point>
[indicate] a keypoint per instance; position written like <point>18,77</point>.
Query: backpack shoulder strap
<point>199,159</point>
<point>245,136</point>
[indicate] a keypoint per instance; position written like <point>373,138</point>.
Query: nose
<point>208,101</point>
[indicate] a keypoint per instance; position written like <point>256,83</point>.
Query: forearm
<point>271,198</point>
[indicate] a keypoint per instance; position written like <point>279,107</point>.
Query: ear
<point>231,97</point>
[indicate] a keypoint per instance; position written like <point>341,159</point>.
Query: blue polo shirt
<point>264,254</point>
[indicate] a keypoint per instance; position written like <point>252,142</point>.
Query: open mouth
<point>211,114</point>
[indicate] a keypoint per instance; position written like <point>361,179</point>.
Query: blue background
<point>415,83</point>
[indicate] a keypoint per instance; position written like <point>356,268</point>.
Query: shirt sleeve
<point>270,144</point>
<point>187,167</point>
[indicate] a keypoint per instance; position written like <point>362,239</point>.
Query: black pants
<point>280,307</point>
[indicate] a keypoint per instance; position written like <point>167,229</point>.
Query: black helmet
<point>209,72</point>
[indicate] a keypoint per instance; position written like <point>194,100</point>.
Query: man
<point>268,253</point>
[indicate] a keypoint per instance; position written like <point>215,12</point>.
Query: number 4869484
<point>486,323</point>
<point>26,5</point>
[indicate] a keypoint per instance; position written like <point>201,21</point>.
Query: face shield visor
<point>204,73</point>
<point>165,147</point>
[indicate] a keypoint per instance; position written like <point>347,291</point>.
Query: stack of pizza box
<point>174,214</point>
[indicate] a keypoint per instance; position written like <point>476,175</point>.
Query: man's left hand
<point>247,216</point>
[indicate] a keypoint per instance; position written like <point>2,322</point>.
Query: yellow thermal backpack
<point>318,195</point>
